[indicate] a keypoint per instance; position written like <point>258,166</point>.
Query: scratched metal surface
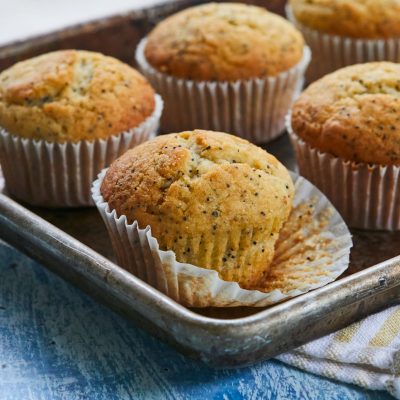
<point>57,343</point>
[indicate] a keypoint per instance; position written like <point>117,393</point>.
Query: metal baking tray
<point>74,244</point>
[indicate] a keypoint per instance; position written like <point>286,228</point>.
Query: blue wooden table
<point>57,343</point>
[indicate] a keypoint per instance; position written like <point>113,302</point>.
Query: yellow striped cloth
<point>366,353</point>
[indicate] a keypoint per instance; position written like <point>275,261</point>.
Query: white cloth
<point>366,353</point>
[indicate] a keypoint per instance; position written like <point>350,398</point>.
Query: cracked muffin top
<point>353,113</point>
<point>224,42</point>
<point>73,95</point>
<point>216,200</point>
<point>367,19</point>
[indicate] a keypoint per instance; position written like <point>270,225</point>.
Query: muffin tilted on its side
<point>66,115</point>
<point>346,32</point>
<point>225,66</point>
<point>346,132</point>
<point>217,201</point>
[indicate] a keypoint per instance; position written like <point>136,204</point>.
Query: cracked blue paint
<point>56,343</point>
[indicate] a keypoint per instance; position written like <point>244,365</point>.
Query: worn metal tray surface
<point>74,244</point>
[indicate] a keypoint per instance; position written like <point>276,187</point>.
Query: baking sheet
<point>80,252</point>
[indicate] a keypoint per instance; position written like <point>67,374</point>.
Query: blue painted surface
<point>57,343</point>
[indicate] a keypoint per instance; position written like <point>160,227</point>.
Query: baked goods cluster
<point>195,198</point>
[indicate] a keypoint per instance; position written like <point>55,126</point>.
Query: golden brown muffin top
<point>216,200</point>
<point>73,95</point>
<point>353,113</point>
<point>198,168</point>
<point>224,42</point>
<point>368,19</point>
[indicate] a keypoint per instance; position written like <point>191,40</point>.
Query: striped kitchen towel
<point>366,353</point>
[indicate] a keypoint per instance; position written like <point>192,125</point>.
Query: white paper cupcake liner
<point>60,175</point>
<point>331,52</point>
<point>367,196</point>
<point>254,109</point>
<point>310,255</point>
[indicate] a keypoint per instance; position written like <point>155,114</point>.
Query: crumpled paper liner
<point>313,250</point>
<point>330,52</point>
<point>253,109</point>
<point>60,175</point>
<point>367,196</point>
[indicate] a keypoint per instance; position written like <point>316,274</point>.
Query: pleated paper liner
<point>313,250</point>
<point>367,196</point>
<point>331,52</point>
<point>60,175</point>
<point>254,109</point>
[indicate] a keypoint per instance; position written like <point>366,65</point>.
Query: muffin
<point>217,201</point>
<point>197,214</point>
<point>345,129</point>
<point>346,32</point>
<point>66,115</point>
<point>225,67</point>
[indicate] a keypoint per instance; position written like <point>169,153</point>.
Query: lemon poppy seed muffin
<point>353,113</point>
<point>73,95</point>
<point>66,115</point>
<point>224,42</point>
<point>217,201</point>
<point>366,19</point>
